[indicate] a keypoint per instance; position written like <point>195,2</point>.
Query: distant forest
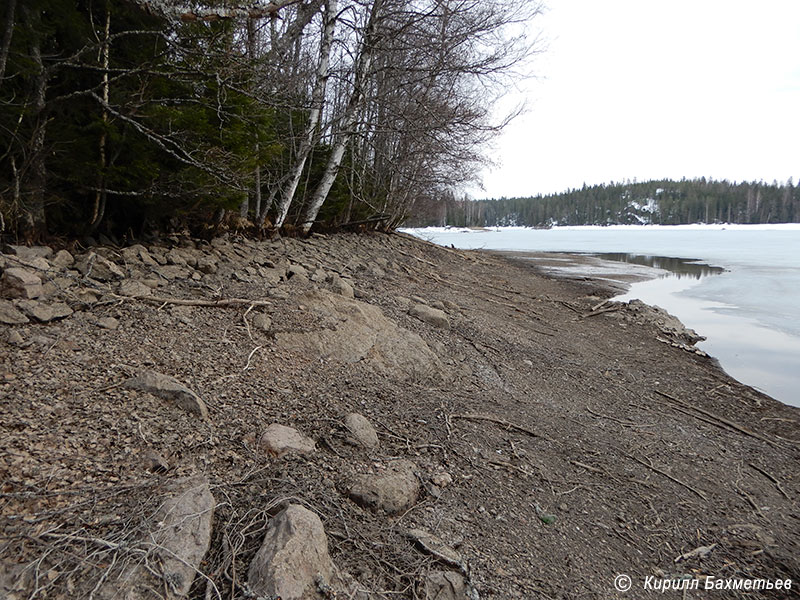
<point>663,202</point>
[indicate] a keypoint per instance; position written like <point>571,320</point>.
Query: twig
<point>250,357</point>
<point>652,467</point>
<point>771,478</point>
<point>600,311</point>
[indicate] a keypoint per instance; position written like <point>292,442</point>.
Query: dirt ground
<point>581,446</point>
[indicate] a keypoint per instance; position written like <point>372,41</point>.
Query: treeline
<point>116,115</point>
<point>663,202</point>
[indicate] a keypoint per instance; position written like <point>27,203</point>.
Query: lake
<point>738,285</point>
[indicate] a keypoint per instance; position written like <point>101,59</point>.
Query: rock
<point>447,585</point>
<point>451,306</point>
<point>62,259</point>
<point>359,332</point>
<point>178,542</point>
<point>271,276</point>
<point>340,286</point>
<point>175,257</point>
<point>293,559</point>
<point>296,271</point>
<point>21,283</point>
<point>361,430</point>
<point>168,388</point>
<point>207,265</point>
<point>280,440</point>
<point>29,252</point>
<point>10,315</point>
<point>430,315</point>
<point>108,323</point>
<point>438,304</point>
<point>134,287</point>
<point>15,338</point>
<point>170,272</point>
<point>442,479</point>
<point>434,546</point>
<point>95,266</point>
<point>138,253</point>
<point>44,312</point>
<point>262,321</point>
<point>318,276</point>
<point>392,492</point>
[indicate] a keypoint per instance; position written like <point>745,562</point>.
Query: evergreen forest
<point>664,202</point>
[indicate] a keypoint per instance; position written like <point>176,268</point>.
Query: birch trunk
<point>363,66</point>
<point>317,101</point>
<point>7,34</point>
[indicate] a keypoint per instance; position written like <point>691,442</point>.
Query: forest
<point>119,117</point>
<point>663,202</point>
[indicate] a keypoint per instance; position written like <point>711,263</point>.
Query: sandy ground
<point>584,440</point>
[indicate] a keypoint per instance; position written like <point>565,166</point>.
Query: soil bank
<point>558,441</point>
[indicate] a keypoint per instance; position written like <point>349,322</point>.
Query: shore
<point>544,440</point>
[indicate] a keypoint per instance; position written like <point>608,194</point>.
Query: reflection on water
<point>679,267</point>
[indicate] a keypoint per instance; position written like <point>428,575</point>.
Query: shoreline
<point>554,440</point>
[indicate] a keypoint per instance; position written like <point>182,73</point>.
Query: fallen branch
<point>600,311</point>
<point>715,419</point>
<point>771,478</point>
<point>652,467</point>
<point>490,418</point>
<point>222,303</point>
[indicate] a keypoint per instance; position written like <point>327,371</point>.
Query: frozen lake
<point>741,288</point>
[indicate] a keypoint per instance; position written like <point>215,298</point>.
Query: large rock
<point>430,315</point>
<point>178,542</point>
<point>97,267</point>
<point>21,283</point>
<point>134,288</point>
<point>361,430</point>
<point>10,315</point>
<point>353,331</point>
<point>280,440</point>
<point>392,492</point>
<point>293,560</point>
<point>168,388</point>
<point>63,259</point>
<point>30,252</point>
<point>44,312</point>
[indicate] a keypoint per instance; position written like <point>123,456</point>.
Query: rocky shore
<point>368,416</point>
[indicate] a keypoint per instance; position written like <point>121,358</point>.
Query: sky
<point>640,89</point>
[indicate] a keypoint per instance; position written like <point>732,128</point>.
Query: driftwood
<point>652,467</point>
<point>490,418</point>
<point>712,419</point>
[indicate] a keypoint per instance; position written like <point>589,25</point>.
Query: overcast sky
<point>643,89</point>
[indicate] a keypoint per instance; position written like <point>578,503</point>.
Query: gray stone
<point>175,257</point>
<point>21,283</point>
<point>178,542</point>
<point>134,288</point>
<point>168,388</point>
<point>262,321</point>
<point>430,315</point>
<point>207,265</point>
<point>44,312</point>
<point>170,272</point>
<point>296,271</point>
<point>318,276</point>
<point>280,440</point>
<point>447,585</point>
<point>108,323</point>
<point>340,286</point>
<point>30,252</point>
<point>361,430</point>
<point>10,315</point>
<point>15,338</point>
<point>392,492</point>
<point>63,259</point>
<point>293,559</point>
<point>442,479</point>
<point>95,266</point>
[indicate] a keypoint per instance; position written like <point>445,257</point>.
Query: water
<point>737,285</point>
